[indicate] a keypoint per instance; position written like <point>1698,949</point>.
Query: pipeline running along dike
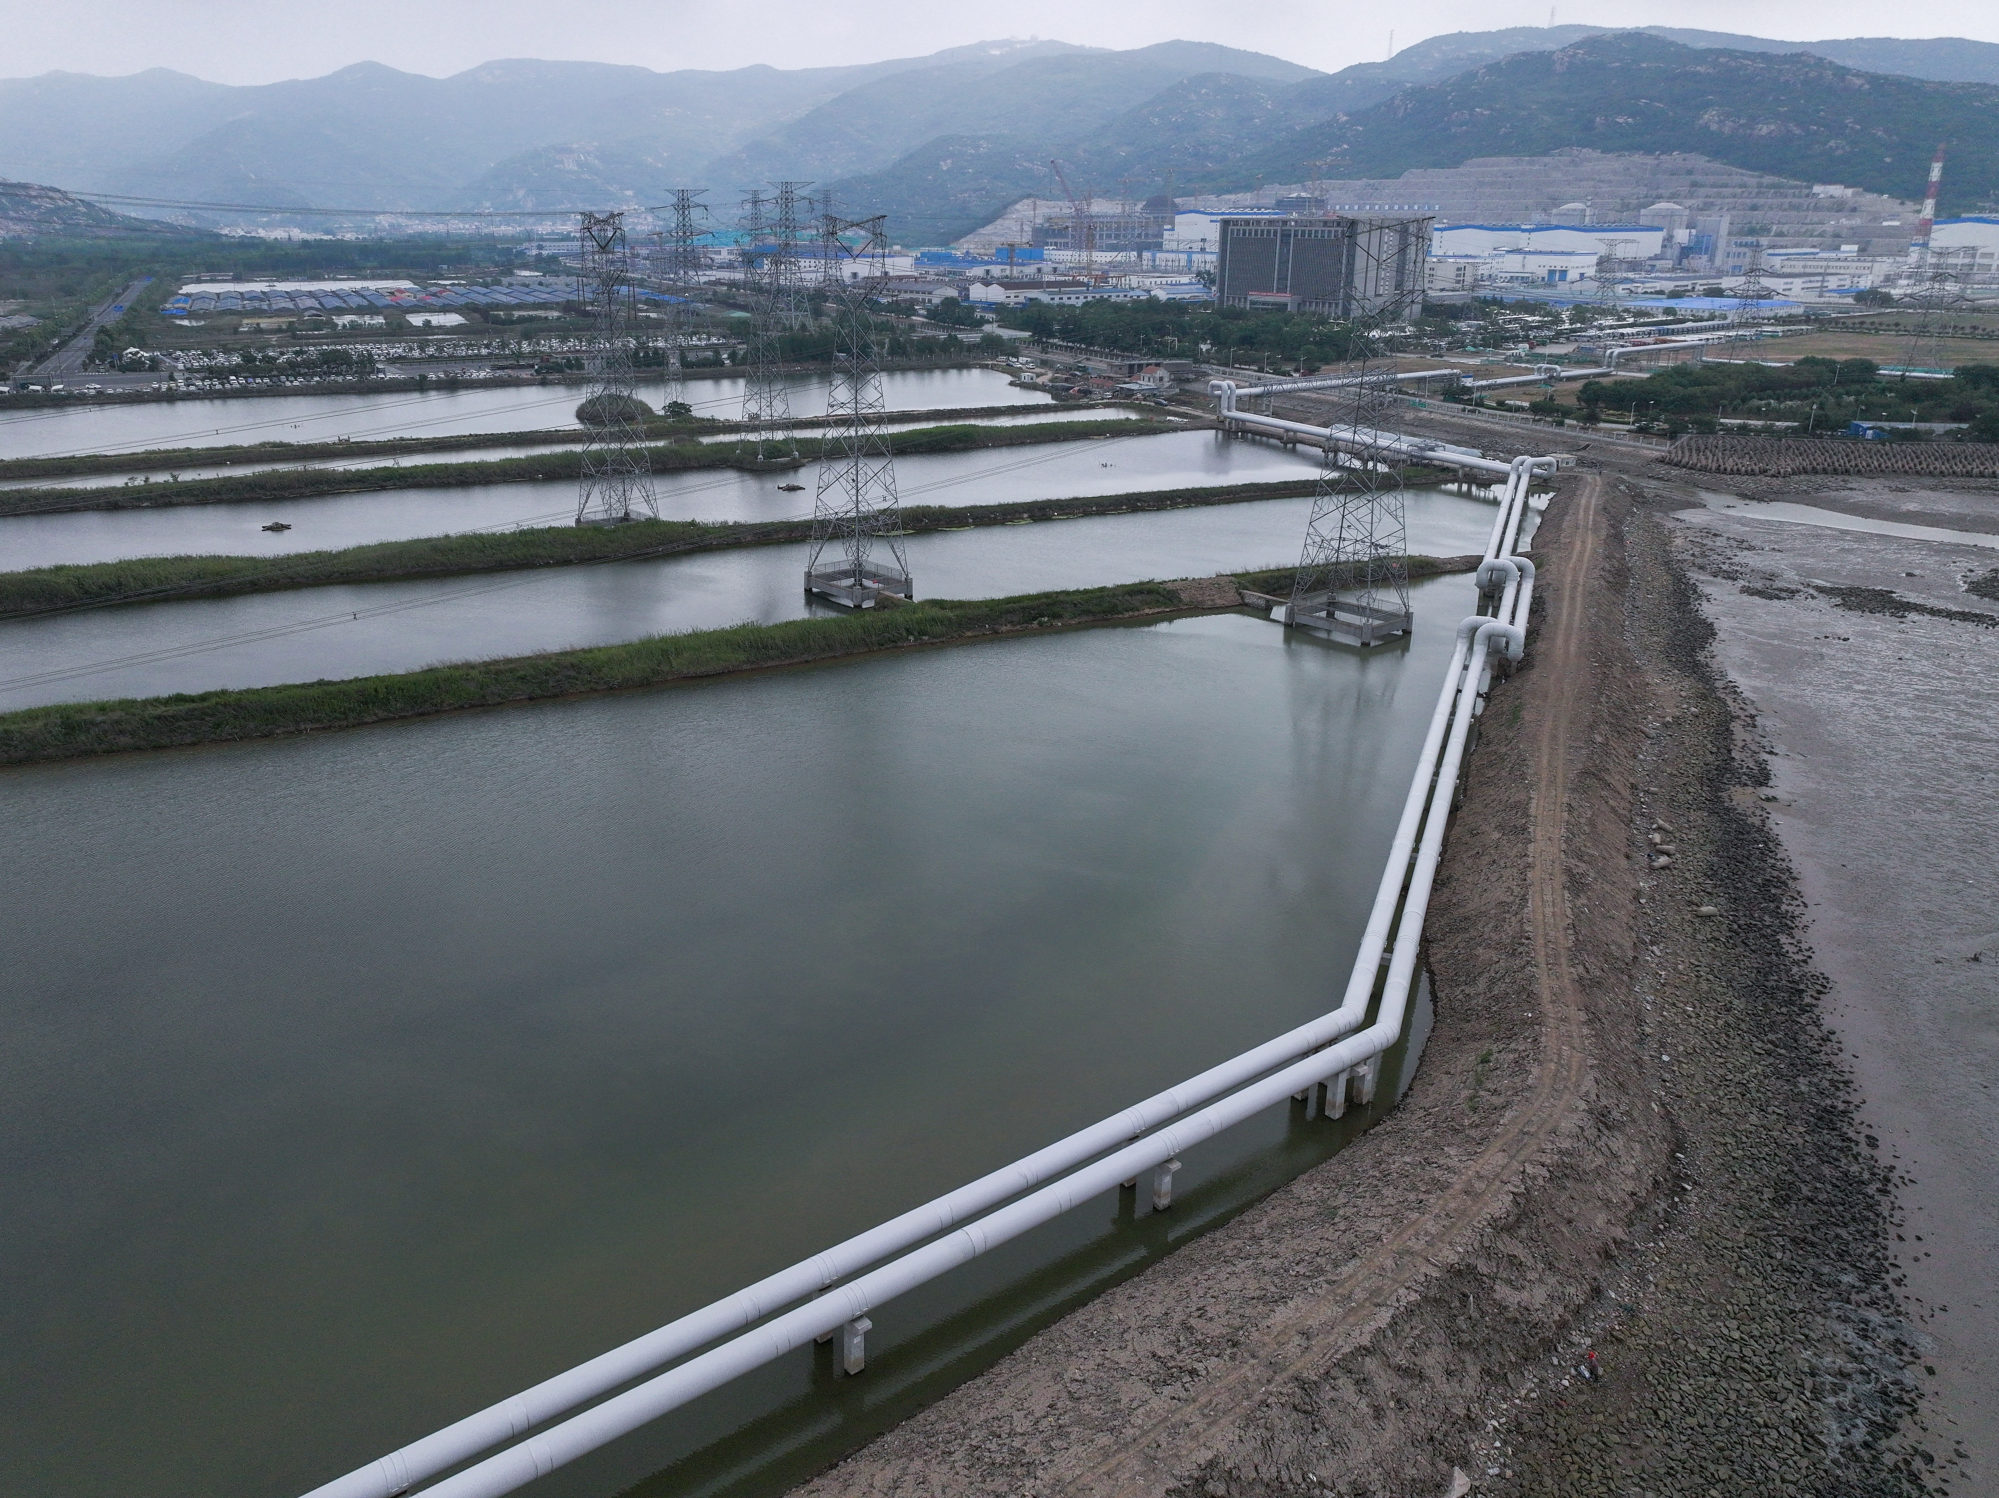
<point>833,1292</point>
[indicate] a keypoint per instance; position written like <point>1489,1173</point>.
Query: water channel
<point>1111,465</point>
<point>354,1082</point>
<point>62,431</point>
<point>1024,417</point>
<point>315,633</point>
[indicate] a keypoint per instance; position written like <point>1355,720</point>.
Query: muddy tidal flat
<point>1870,661</point>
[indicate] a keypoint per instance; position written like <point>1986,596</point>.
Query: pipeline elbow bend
<point>1509,639</point>
<point>1513,642</point>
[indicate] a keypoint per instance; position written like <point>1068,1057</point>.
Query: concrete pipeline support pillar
<point>854,1345</point>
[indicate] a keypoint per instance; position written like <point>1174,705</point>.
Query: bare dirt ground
<point>1886,341</point>
<point>1630,1150</point>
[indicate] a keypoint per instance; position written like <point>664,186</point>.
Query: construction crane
<point>1080,222</point>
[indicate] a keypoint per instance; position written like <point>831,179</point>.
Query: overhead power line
<point>112,197</point>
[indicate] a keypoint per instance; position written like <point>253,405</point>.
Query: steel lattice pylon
<point>1352,582</point>
<point>774,311</point>
<point>1753,291</point>
<point>617,472</point>
<point>1939,298</point>
<point>857,552</point>
<point>1608,294</point>
<point>677,264</point>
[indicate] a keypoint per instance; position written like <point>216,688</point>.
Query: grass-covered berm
<point>675,457</point>
<point>75,729</point>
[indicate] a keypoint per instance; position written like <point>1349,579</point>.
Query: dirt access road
<point>1630,1137</point>
<point>1289,1346</point>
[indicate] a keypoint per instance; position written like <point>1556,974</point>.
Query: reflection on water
<point>356,1081</point>
<point>816,1416</point>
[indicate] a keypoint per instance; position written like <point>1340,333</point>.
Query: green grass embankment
<point>76,730</point>
<point>73,730</point>
<point>159,579</point>
<point>167,459</point>
<point>309,483</point>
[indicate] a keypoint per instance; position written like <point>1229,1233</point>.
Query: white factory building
<point>1633,241</point>
<point>1493,269</point>
<point>1971,242</point>
<point>1199,232</point>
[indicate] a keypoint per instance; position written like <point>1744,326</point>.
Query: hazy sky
<point>258,41</point>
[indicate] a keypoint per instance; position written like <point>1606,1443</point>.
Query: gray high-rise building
<point>1338,265</point>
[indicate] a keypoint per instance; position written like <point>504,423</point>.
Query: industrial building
<point>1473,273</point>
<point>295,298</point>
<point>1336,265</point>
<point>1074,291</point>
<point>1096,231</point>
<point>1634,241</point>
<point>1970,244</point>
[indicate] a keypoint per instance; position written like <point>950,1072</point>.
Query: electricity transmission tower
<point>677,263</point>
<point>617,471</point>
<point>1352,582</point>
<point>857,552</point>
<point>1753,292</point>
<point>1938,300</point>
<point>1609,265</point>
<point>774,311</point>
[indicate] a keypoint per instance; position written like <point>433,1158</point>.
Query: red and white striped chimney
<point>1919,246</point>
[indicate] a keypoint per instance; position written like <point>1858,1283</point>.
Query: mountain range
<point>1793,115</point>
<point>944,142</point>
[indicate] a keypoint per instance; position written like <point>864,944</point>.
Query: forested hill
<point>1792,114</point>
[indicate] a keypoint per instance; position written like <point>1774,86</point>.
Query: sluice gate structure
<point>1329,1063</point>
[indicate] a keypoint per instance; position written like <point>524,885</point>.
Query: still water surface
<point>1111,465</point>
<point>314,633</point>
<point>355,1082</point>
<point>211,422</point>
<point>1027,416</point>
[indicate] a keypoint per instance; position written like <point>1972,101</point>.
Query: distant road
<point>67,362</point>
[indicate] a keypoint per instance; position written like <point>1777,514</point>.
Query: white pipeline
<point>1306,1055</point>
<point>1358,439</point>
<point>1334,382</point>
